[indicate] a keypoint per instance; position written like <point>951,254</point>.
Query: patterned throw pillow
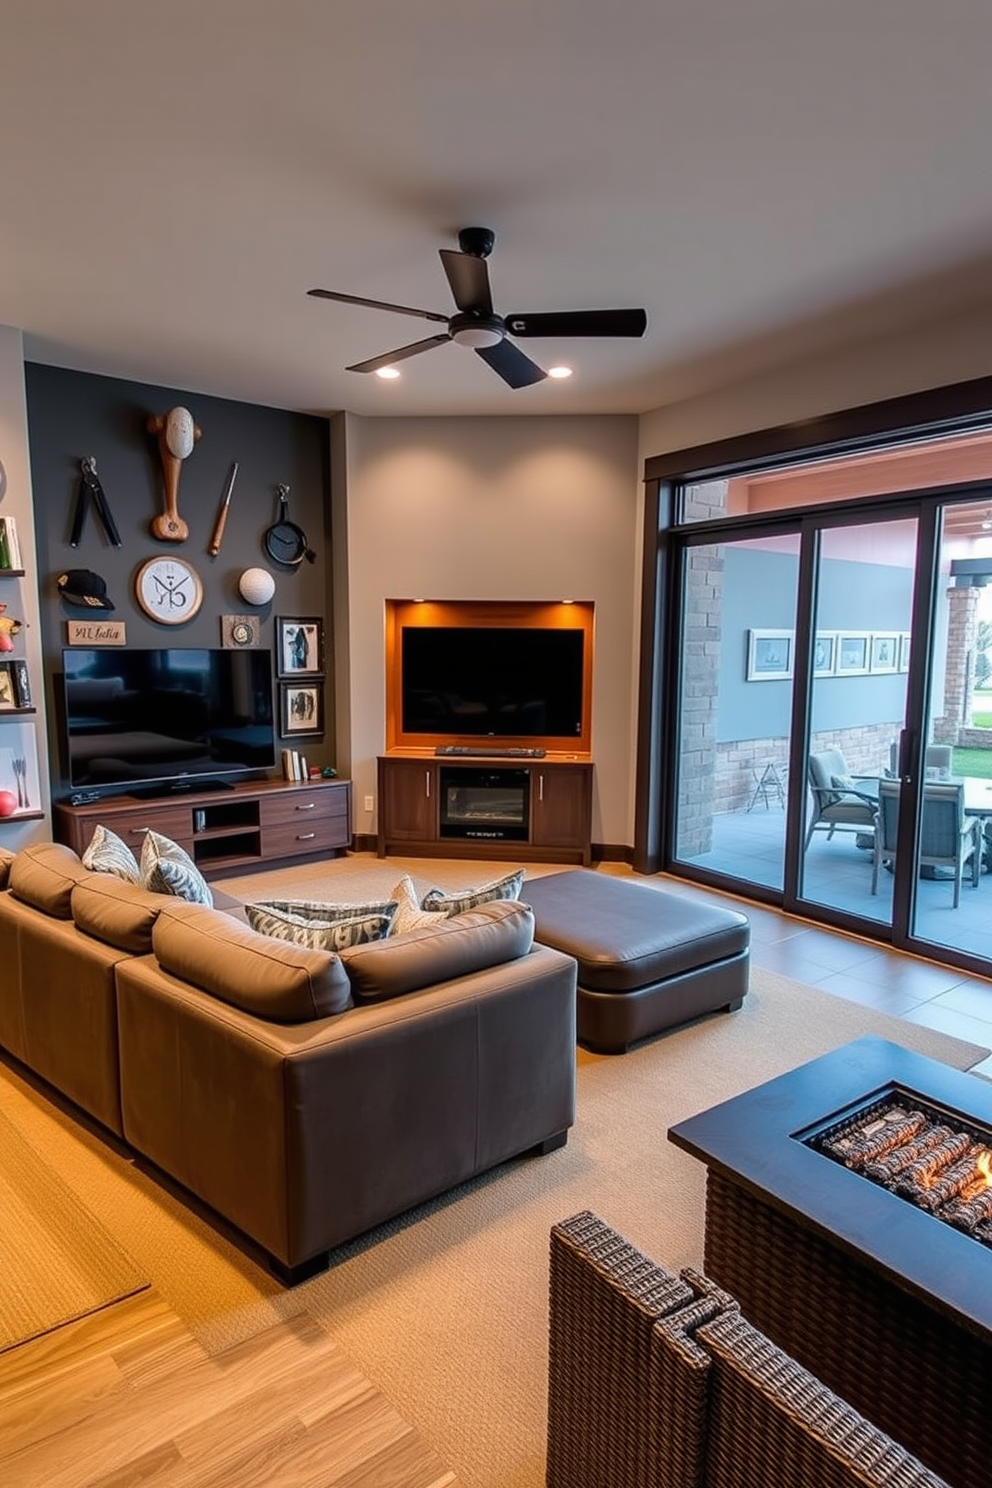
<point>108,853</point>
<point>321,910</point>
<point>166,868</point>
<point>409,915</point>
<point>457,901</point>
<point>302,924</point>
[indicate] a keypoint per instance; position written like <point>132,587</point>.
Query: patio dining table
<point>977,791</point>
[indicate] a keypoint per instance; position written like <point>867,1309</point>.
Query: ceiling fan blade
<point>331,294</point>
<point>579,323</point>
<point>511,364</point>
<point>388,358</point>
<point>468,277</point>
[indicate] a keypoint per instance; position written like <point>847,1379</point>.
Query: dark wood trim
<point>936,410</point>
<point>648,793</point>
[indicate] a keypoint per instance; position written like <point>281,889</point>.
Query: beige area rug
<point>445,1310</point>
<point>57,1263</point>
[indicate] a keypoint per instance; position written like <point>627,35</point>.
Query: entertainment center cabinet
<point>232,830</point>
<point>500,807</point>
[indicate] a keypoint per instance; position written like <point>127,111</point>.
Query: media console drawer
<point>231,830</point>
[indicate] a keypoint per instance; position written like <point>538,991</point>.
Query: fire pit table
<point>858,1268</point>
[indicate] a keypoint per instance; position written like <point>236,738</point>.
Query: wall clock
<point>169,590</point>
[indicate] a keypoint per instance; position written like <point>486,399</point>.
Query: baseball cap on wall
<point>80,586</point>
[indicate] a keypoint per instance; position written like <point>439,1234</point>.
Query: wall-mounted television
<point>169,718</point>
<point>493,682</point>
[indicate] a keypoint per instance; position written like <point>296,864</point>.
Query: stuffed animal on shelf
<point>8,629</point>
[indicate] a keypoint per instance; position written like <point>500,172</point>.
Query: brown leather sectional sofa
<point>304,1096</point>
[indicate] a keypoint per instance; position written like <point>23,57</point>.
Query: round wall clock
<point>169,590</point>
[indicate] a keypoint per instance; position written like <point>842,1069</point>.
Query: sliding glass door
<point>834,701</point>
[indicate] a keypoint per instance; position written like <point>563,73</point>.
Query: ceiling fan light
<point>477,335</point>
<point>559,372</point>
<point>388,374</point>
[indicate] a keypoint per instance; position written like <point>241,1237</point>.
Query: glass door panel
<point>735,699</point>
<point>859,661</point>
<point>952,898</point>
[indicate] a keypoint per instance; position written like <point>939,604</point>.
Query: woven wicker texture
<point>772,1422</point>
<point>660,1382</point>
<point>605,1297</point>
<point>919,1376</point>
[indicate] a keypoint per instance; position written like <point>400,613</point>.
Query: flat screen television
<point>167,718</point>
<point>493,682</point>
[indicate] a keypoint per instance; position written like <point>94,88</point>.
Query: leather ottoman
<point>647,960</point>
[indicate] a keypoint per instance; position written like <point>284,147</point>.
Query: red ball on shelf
<point>8,803</point>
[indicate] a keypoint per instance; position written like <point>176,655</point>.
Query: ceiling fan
<point>476,324</point>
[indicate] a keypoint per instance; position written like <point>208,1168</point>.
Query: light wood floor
<point>127,1397</point>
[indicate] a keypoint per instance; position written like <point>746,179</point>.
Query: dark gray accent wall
<point>73,414</point>
<point>759,592</point>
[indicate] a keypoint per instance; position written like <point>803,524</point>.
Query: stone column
<point>959,670</point>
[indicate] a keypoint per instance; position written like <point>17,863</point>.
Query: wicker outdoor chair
<point>657,1381</point>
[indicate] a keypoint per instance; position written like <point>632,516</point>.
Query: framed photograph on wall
<point>884,652</point>
<point>769,655</point>
<point>299,646</point>
<point>853,653</point>
<point>825,653</point>
<point>8,697</point>
<point>19,770</point>
<point>904,651</point>
<point>301,709</point>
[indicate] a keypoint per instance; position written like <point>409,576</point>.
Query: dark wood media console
<point>254,825</point>
<point>543,813</point>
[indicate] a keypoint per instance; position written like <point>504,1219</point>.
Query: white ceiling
<point>768,178</point>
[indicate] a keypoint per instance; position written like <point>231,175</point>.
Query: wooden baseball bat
<point>221,522</point>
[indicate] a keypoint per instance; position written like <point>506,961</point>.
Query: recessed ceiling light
<point>388,374</point>
<point>559,372</point>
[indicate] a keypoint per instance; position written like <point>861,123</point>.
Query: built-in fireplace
<point>484,803</point>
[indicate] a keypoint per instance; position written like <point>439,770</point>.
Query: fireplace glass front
<point>482,803</point>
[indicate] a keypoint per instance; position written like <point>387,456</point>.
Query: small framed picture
<point>853,653</point>
<point>8,697</point>
<point>299,646</point>
<point>904,651</point>
<point>769,655</point>
<point>239,631</point>
<point>301,709</point>
<point>22,683</point>
<point>825,653</point>
<point>884,651</point>
<point>19,770</point>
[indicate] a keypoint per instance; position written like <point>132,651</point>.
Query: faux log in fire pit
<point>877,1291</point>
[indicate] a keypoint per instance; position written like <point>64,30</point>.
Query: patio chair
<point>948,838</point>
<point>837,803</point>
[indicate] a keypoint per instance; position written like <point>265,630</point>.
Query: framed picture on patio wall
<point>825,653</point>
<point>853,653</point>
<point>884,654</point>
<point>904,651</point>
<point>769,655</point>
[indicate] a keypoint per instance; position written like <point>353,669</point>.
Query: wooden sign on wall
<point>95,633</point>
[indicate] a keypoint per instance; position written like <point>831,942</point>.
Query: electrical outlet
<point>370,803</point>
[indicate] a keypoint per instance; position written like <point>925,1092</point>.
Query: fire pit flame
<point>921,1156</point>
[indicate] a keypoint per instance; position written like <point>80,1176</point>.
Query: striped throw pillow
<point>457,901</point>
<point>108,853</point>
<point>301,924</point>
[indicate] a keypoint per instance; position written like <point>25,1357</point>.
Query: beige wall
<point>488,508</point>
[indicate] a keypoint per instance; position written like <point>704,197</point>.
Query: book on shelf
<point>294,765</point>
<point>10,548</point>
<point>22,683</point>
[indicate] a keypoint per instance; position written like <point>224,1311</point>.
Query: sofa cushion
<point>6,858</point>
<point>409,915</point>
<point>120,914</point>
<point>167,868</point>
<point>456,901</point>
<point>456,946</point>
<point>45,875</point>
<point>271,978</point>
<point>108,853</point>
<point>318,926</point>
